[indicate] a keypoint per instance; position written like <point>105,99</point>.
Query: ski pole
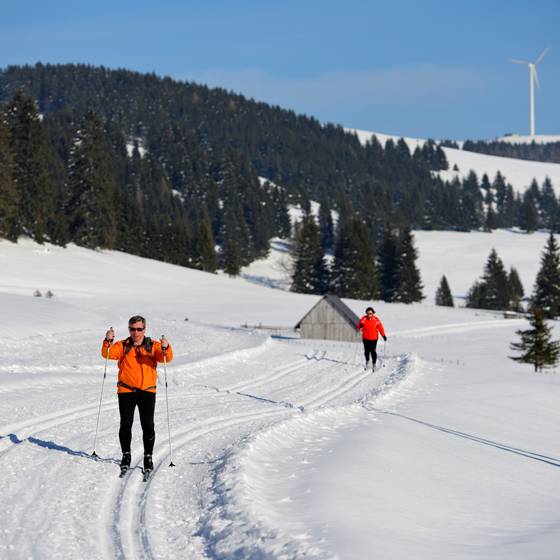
<point>384,351</point>
<point>167,406</point>
<point>94,454</point>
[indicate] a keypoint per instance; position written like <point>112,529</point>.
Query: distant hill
<point>170,170</point>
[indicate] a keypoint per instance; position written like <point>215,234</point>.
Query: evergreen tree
<point>231,258</point>
<point>310,271</point>
<point>528,213</point>
<point>409,284</point>
<point>10,228</point>
<point>388,264</point>
<point>326,226</point>
<point>31,170</point>
<point>443,294</point>
<point>354,269</point>
<point>92,190</point>
<point>204,252</point>
<point>536,345</point>
<point>546,295</point>
<point>476,296</point>
<point>548,205</point>
<point>516,291</point>
<point>493,291</point>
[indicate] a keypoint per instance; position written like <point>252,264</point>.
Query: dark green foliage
<point>528,213</point>
<point>388,265</point>
<point>533,151</point>
<point>326,226</point>
<point>10,227</point>
<point>443,294</point>
<point>310,274</point>
<point>547,285</point>
<point>204,253</point>
<point>92,188</point>
<point>231,259</point>
<point>515,289</point>
<point>536,345</point>
<point>409,284</point>
<point>31,170</point>
<point>493,291</point>
<point>354,272</point>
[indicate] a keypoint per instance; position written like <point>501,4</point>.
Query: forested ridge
<point>203,177</point>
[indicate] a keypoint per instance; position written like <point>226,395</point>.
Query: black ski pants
<point>369,348</point>
<point>146,403</point>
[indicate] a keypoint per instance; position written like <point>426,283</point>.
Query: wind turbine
<point>533,77</point>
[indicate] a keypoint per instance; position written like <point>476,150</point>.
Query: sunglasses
<point>136,329</point>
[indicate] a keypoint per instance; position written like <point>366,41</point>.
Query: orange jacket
<point>371,327</point>
<point>137,368</point>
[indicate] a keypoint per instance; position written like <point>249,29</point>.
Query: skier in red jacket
<point>371,328</point>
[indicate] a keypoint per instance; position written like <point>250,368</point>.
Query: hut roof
<point>342,309</point>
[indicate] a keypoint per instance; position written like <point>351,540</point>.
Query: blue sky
<point>428,69</point>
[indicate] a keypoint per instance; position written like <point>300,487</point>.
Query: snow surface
<point>284,448</point>
<point>519,173</point>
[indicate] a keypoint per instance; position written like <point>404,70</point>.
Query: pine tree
<point>528,213</point>
<point>443,294</point>
<point>409,284</point>
<point>204,252</point>
<point>536,345</point>
<point>493,291</point>
<point>310,270</point>
<point>10,227</point>
<point>354,268</point>
<point>32,164</point>
<point>547,285</point>
<point>92,190</point>
<point>388,264</point>
<point>231,258</point>
<point>326,226</point>
<point>516,291</point>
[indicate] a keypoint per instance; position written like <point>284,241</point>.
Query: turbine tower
<point>533,77</point>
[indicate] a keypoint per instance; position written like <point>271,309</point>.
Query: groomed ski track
<point>219,403</point>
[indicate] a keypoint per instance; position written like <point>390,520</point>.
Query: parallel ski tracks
<point>128,534</point>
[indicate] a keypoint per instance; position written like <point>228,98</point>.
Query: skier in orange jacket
<point>371,328</point>
<point>138,356</point>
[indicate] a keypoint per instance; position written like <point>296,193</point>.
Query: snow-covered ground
<point>284,448</point>
<point>519,173</point>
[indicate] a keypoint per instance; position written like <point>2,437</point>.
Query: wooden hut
<point>329,319</point>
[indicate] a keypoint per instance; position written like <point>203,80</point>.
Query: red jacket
<point>371,327</point>
<point>137,368</point>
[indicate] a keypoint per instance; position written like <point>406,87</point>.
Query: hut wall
<point>326,323</point>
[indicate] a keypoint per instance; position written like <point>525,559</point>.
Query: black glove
<point>385,338</point>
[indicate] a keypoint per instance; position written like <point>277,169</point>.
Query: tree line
<point>549,151</point>
<point>66,178</point>
<point>350,265</point>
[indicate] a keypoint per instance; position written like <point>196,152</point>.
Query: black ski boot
<point>148,467</point>
<point>125,462</point>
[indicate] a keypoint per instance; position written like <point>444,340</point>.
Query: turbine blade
<point>541,56</point>
<point>536,78</point>
<point>516,61</point>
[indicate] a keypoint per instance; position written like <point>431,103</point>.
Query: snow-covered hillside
<point>460,256</point>
<point>284,448</point>
<point>519,173</point>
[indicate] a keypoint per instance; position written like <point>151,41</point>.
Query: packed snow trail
<point>57,497</point>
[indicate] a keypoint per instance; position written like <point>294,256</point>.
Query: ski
<point>146,475</point>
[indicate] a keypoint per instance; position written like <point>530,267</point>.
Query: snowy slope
<point>519,173</point>
<point>460,256</point>
<point>284,448</point>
